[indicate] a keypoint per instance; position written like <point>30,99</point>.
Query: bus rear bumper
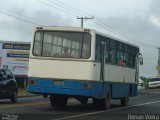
<point>93,89</point>
<point>67,87</point>
<point>52,90</point>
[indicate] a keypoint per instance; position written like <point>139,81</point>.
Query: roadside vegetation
<point>145,82</point>
<point>23,92</point>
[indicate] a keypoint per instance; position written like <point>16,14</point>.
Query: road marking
<point>22,105</point>
<point>92,113</point>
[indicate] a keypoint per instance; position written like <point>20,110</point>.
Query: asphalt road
<point>145,106</point>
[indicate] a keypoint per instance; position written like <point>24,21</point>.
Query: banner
<point>15,57</point>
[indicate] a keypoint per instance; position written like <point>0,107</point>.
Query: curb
<point>148,91</point>
<point>28,95</point>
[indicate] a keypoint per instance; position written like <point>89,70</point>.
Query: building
<point>158,67</point>
<point>15,56</point>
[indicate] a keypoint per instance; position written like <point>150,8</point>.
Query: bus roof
<point>116,38</point>
<point>69,28</point>
<point>60,28</point>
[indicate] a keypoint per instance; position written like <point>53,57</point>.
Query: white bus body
<point>97,76</point>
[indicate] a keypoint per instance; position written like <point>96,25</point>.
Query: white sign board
<point>15,56</point>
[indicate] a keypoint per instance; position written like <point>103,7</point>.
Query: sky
<point>136,21</point>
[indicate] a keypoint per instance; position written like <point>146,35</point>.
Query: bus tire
<point>82,100</point>
<point>58,100</point>
<point>107,101</point>
<point>104,103</point>
<point>125,100</point>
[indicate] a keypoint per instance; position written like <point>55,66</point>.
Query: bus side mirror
<point>141,60</point>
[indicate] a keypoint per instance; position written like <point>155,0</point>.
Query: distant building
<point>158,67</point>
<point>15,56</point>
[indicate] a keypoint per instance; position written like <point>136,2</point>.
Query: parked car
<point>8,85</point>
<point>154,82</point>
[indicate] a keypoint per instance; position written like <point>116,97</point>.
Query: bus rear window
<point>62,44</point>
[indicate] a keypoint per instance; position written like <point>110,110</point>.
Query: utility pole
<point>158,67</point>
<point>84,18</point>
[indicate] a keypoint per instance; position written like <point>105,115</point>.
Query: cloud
<point>20,25</point>
<point>155,20</point>
<point>139,21</point>
<point>154,13</point>
<point>140,31</point>
<point>52,18</point>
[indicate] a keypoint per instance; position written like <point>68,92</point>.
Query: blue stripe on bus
<point>74,87</point>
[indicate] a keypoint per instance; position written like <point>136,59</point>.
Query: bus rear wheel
<point>82,100</point>
<point>104,103</point>
<point>125,100</point>
<point>58,100</point>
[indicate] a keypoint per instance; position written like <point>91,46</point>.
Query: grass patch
<point>22,91</point>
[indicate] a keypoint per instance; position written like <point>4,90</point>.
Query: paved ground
<point>38,108</point>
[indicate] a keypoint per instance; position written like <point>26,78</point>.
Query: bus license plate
<point>58,82</point>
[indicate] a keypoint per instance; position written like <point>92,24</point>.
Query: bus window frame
<point>82,42</point>
<point>128,49</point>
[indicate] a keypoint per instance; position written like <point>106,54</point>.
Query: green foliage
<point>146,80</point>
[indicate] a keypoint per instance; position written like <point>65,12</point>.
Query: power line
<point>66,5</point>
<point>100,23</point>
<point>104,25</point>
<point>19,18</point>
<point>74,10</point>
<point>69,8</point>
<point>51,6</point>
<point>28,17</point>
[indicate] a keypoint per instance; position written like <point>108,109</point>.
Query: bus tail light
<point>32,82</point>
<point>86,85</point>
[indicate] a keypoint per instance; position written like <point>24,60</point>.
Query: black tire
<point>82,100</point>
<point>14,97</point>
<point>103,103</point>
<point>97,103</point>
<point>45,96</point>
<point>125,100</point>
<point>58,100</point>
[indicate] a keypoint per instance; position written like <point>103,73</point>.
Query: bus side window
<point>107,55</point>
<point>131,57</point>
<point>126,58</point>
<point>107,50</point>
<point>97,51</point>
<point>112,56</point>
<point>112,52</point>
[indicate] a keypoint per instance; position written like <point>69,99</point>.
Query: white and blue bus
<point>82,63</point>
